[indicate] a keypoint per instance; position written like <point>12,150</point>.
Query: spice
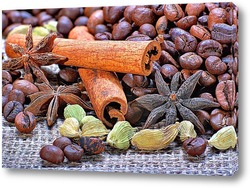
<point>92,146</point>
<point>155,139</point>
<point>74,110</point>
<point>70,128</point>
<point>186,130</point>
<point>119,137</point>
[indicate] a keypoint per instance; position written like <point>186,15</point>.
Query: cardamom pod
<point>70,128</point>
<point>121,134</point>
<point>91,126</point>
<point>224,139</point>
<point>75,111</point>
<point>40,31</point>
<point>155,139</point>
<point>186,130</point>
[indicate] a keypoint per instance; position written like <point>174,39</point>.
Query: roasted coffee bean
<point>4,101</point>
<point>89,10</point>
<point>68,75</point>
<point>200,32</point>
<point>190,60</point>
<point>207,79</point>
<point>235,49</point>
<point>52,11</point>
<point>217,15</point>
<point>224,33</point>
<point>203,116</point>
<point>73,152</point>
<point>169,46</point>
<point>161,25</point>
<point>62,142</point>
<point>6,78</point>
<point>128,13</point>
<point>101,28</point>
<point>11,109</point>
<point>103,36</point>
<point>207,96</point>
<point>186,22</point>
<point>25,14</point>
<point>71,13</point>
<point>16,95</point>
<point>25,122</point>
<point>168,70</point>
<point>176,32</point>
<point>185,43</point>
<point>129,80</point>
<point>158,9</point>
<point>52,154</point>
<point>7,89</point>
<point>226,94</point>
<point>224,77</point>
<point>211,6</point>
<point>232,16</point>
<point>215,66</point>
<point>173,12</point>
<point>95,19</point>
<point>121,30</point>
<point>113,14</point>
<point>138,37</point>
<point>140,91</point>
<point>195,146</point>
<point>92,146</point>
<point>142,15</point>
<point>194,9</point>
<point>140,81</point>
<point>208,48</point>
<point>36,11</point>
<point>25,86</point>
<point>148,29</point>
<point>5,21</point>
<point>32,21</point>
<point>134,113</point>
<point>166,58</point>
<point>43,17</point>
<point>202,20</point>
<point>64,25</point>
<point>81,20</point>
<point>14,16</point>
<point>220,118</point>
<point>9,28</point>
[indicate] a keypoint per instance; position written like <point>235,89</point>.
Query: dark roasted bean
<point>5,21</point>
<point>121,30</point>
<point>6,78</point>
<point>52,154</point>
<point>208,48</point>
<point>168,70</point>
<point>11,109</point>
<point>224,33</point>
<point>128,13</point>
<point>195,9</point>
<point>207,79</point>
<point>25,122</point>
<point>16,95</point>
<point>190,60</point>
<point>200,32</point>
<point>215,66</point>
<point>142,15</point>
<point>73,152</point>
<point>186,22</point>
<point>81,20</point>
<point>148,29</point>
<point>113,14</point>
<point>64,25</point>
<point>185,43</point>
<point>173,12</point>
<point>217,15</point>
<point>103,36</point>
<point>195,146</point>
<point>161,25</point>
<point>158,9</point>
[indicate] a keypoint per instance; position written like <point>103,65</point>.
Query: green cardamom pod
<point>70,128</point>
<point>91,126</point>
<point>186,130</point>
<point>75,111</point>
<point>121,134</point>
<point>224,138</point>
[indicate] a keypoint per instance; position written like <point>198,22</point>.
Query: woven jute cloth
<point>22,152</point>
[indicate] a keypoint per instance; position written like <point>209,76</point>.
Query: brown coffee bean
<point>5,21</point>
<point>200,32</point>
<point>14,16</point>
<point>121,30</point>
<point>211,6</point>
<point>101,28</point>
<point>195,146</point>
<point>207,79</point>
<point>52,154</point>
<point>168,70</point>
<point>89,10</point>
<point>190,60</point>
<point>95,19</point>
<point>25,122</point>
<point>73,152</point>
<point>224,77</point>
<point>173,12</point>
<point>16,95</point>
<point>161,25</point>
<point>92,146</point>
<point>148,29</point>
<point>138,37</point>
<point>32,21</point>
<point>235,49</point>
<point>11,109</point>
<point>134,113</point>
<point>232,16</point>
<point>62,142</point>
<point>194,9</point>
<point>128,13</point>
<point>9,28</point>
<point>220,118</point>
<point>4,101</point>
<point>81,20</point>
<point>224,33</point>
<point>36,11</point>
<point>186,22</point>
<point>6,78</point>
<point>169,46</point>
<point>113,14</point>
<point>185,43</point>
<point>142,15</point>
<point>215,66</point>
<point>25,86</point>
<point>68,75</point>
<point>64,25</point>
<point>203,116</point>
<point>176,32</point>
<point>43,17</point>
<point>140,91</point>
<point>166,58</point>
<point>207,96</point>
<point>202,20</point>
<point>158,9</point>
<point>6,90</point>
<point>140,81</point>
<point>217,15</point>
<point>103,36</point>
<point>71,13</point>
<point>226,94</point>
<point>52,11</point>
<point>208,48</point>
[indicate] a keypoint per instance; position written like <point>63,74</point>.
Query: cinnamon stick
<point>134,57</point>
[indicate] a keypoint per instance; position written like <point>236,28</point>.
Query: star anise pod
<point>177,97</point>
<point>50,100</point>
<point>31,58</point>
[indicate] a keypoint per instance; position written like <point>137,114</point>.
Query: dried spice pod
<point>224,139</point>
<point>186,130</point>
<point>75,111</point>
<point>118,56</point>
<point>155,139</point>
<point>92,146</point>
<point>70,128</point>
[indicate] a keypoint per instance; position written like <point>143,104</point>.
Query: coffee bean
<point>9,28</point>
<point>202,20</point>
<point>11,109</point>
<point>185,43</point>
<point>71,13</point>
<point>168,70</point>
<point>95,19</point>
<point>128,13</point>
<point>176,32</point>
<point>195,146</point>
<point>158,9</point>
<point>68,75</point>
<point>134,113</point>
<point>52,154</point>
<point>166,58</point>
<point>194,9</point>
<point>15,16</point>
<point>161,25</point>
<point>139,37</point>
<point>226,94</point>
<point>64,25</point>
<point>25,122</point>
<point>73,152</point>
<point>43,17</point>
<point>113,14</point>
<point>232,16</point>
<point>203,116</point>
<point>208,48</point>
<point>121,30</point>
<point>215,66</point>
<point>142,15</point>
<point>89,10</point>
<point>6,78</point>
<point>224,33</point>
<point>148,29</point>
<point>207,79</point>
<point>140,91</point>
<point>32,21</point>
<point>103,36</point>
<point>7,89</point>
<point>25,86</point>
<point>190,60</point>
<point>224,77</point>
<point>16,95</point>
<point>173,12</point>
<point>217,15</point>
<point>62,142</point>
<point>5,21</point>
<point>52,11</point>
<point>169,46</point>
<point>92,146</point>
<point>81,20</point>
<point>200,32</point>
<point>186,22</point>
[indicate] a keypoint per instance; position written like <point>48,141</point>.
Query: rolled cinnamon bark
<point>106,95</point>
<point>134,57</point>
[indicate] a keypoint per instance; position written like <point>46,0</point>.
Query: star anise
<point>31,58</point>
<point>177,97</point>
<point>50,100</point>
